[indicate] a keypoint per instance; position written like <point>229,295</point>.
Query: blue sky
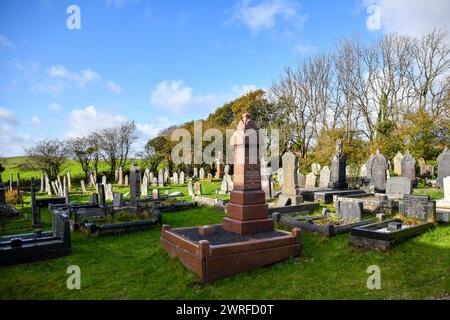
<point>164,62</point>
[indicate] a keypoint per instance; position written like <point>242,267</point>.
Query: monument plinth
<point>246,239</point>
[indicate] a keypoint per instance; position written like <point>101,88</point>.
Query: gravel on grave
<point>222,236</point>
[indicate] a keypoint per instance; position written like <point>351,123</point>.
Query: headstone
<point>83,186</point>
<point>92,180</point>
<point>301,180</point>
<point>65,191</point>
<point>102,195</point>
<point>197,188</point>
<point>42,182</point>
<point>118,200</point>
<point>109,192</point>
<point>154,182</point>
<point>290,193</point>
<point>266,179</point>
<point>69,181</point>
<point>161,178</point>
<point>398,163</point>
<point>310,182</point>
<point>363,171</point>
<point>190,188</point>
<point>155,194</point>
<point>446,184</point>
<point>166,175</point>
<point>324,179</point>
<point>378,167</point>
<point>338,164</point>
<point>202,174</point>
<point>195,175</point>
<point>397,187</point>
<point>135,184</point>
<point>120,176</point>
<point>280,177</point>
<point>93,198</point>
<point>144,186</point>
<point>353,171</point>
<point>181,179</point>
<point>10,182</point>
<point>47,186</point>
<point>34,209</point>
<point>104,181</point>
<point>418,207</point>
<point>116,176</point>
<point>2,192</point>
<point>175,178</point>
<point>408,166</point>
<point>443,167</point>
<point>315,168</point>
<point>350,210</point>
<point>126,181</point>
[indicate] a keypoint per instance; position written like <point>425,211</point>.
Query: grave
<point>443,205</point>
<point>290,193</point>
<point>409,167</point>
<point>397,187</point>
<point>398,163</point>
<point>443,167</point>
<point>378,166</point>
<point>338,172</point>
<point>246,239</point>
<point>325,176</point>
<point>417,214</point>
<point>39,245</point>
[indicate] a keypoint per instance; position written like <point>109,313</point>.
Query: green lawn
<point>134,266</point>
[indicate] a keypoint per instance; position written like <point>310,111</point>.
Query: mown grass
<point>133,266</point>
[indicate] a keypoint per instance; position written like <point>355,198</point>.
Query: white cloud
<point>150,130</point>
<point>412,17</point>
<point>5,42</point>
<point>114,87</point>
<point>54,106</point>
<point>82,78</point>
<point>35,120</point>
<point>8,116</point>
<point>175,96</point>
<point>11,142</point>
<point>84,121</point>
<point>264,14</point>
<point>172,95</point>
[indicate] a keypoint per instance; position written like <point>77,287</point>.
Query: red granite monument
<point>246,239</point>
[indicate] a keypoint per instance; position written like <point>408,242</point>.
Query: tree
<point>48,156</point>
<point>84,150</point>
<point>115,144</point>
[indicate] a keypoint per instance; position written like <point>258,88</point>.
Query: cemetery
<point>257,160</point>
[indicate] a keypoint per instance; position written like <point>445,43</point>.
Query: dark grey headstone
<point>93,198</point>
<point>118,200</point>
<point>135,185</point>
<point>378,167</point>
<point>350,210</point>
<point>408,166</point>
<point>418,207</point>
<point>338,172</point>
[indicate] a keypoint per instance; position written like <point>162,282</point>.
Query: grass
<point>133,266</point>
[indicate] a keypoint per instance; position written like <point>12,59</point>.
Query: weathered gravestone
<point>290,193</point>
<point>161,178</point>
<point>155,194</point>
<point>301,180</point>
<point>120,176</point>
<point>378,167</point>
<point>325,175</point>
<point>126,180</point>
<point>195,175</point>
<point>197,188</point>
<point>104,180</point>
<point>310,181</point>
<point>83,186</point>
<point>227,182</point>
<point>135,183</point>
<point>338,164</point>
<point>144,186</point>
<point>398,163</point>
<point>181,180</point>
<point>418,207</point>
<point>349,210</point>
<point>175,178</point>
<point>408,165</point>
<point>315,168</point>
<point>397,187</point>
<point>190,188</point>
<point>93,198</point>
<point>118,200</point>
<point>443,167</point>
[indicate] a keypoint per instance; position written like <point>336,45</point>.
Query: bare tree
<point>84,151</point>
<point>48,156</point>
